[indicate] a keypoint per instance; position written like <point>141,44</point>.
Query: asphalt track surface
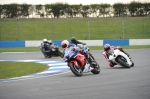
<point>111,83</point>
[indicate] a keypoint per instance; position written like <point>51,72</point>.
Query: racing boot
<point>111,64</point>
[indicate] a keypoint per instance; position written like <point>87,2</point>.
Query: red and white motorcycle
<point>79,64</point>
<point>121,59</point>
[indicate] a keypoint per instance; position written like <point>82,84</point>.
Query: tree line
<point>57,10</point>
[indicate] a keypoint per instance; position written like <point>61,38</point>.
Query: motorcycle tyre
<point>122,63</point>
<point>45,55</point>
<point>61,54</point>
<point>76,71</point>
<point>96,69</point>
<point>132,63</point>
<point>91,56</point>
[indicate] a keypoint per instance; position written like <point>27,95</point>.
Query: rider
<point>65,44</point>
<point>108,50</point>
<point>44,42</point>
<point>75,41</point>
<point>44,45</point>
<point>84,51</point>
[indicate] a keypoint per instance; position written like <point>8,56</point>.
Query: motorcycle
<point>51,51</point>
<point>121,59</point>
<point>78,63</point>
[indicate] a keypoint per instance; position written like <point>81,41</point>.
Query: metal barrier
<point>126,42</point>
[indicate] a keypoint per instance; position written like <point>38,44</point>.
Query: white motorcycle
<point>121,59</point>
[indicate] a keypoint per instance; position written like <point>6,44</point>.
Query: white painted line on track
<point>55,67</point>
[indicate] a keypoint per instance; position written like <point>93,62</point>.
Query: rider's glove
<point>85,51</point>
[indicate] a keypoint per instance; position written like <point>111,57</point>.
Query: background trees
<point>119,9</point>
<point>58,10</point>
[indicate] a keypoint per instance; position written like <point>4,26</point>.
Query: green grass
<point>15,69</point>
<point>20,49</point>
<point>60,29</point>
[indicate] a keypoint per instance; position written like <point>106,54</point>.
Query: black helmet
<point>73,39</point>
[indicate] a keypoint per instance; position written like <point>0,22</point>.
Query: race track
<point>111,83</point>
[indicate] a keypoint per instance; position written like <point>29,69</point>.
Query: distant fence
<point>36,43</point>
<point>81,28</point>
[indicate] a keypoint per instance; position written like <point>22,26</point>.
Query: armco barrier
<point>116,42</point>
<point>7,44</point>
<point>58,42</point>
<point>36,43</point>
<point>32,43</point>
<point>139,42</point>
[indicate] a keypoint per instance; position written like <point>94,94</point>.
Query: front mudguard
<point>73,62</point>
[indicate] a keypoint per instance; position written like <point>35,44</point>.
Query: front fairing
<point>69,53</point>
<point>72,56</point>
<point>117,53</point>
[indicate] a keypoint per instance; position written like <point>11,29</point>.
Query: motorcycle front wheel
<point>76,71</point>
<point>61,54</point>
<point>122,61</point>
<point>132,63</point>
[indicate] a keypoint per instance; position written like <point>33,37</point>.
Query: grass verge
<point>16,69</point>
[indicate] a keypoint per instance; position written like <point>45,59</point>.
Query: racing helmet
<point>50,42</point>
<point>73,39</point>
<point>45,40</point>
<point>64,44</point>
<point>106,47</point>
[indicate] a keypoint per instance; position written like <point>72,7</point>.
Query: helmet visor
<point>106,49</point>
<point>64,46</point>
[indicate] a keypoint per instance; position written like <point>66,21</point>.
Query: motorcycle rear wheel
<point>76,71</point>
<point>96,69</point>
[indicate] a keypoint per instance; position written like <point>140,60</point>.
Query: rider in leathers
<point>44,42</point>
<point>65,44</point>
<point>44,46</point>
<point>109,50</point>
<point>82,51</point>
<point>75,41</point>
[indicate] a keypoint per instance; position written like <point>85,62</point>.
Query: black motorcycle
<point>51,51</point>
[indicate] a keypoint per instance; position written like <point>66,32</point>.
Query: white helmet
<point>45,40</point>
<point>64,43</point>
